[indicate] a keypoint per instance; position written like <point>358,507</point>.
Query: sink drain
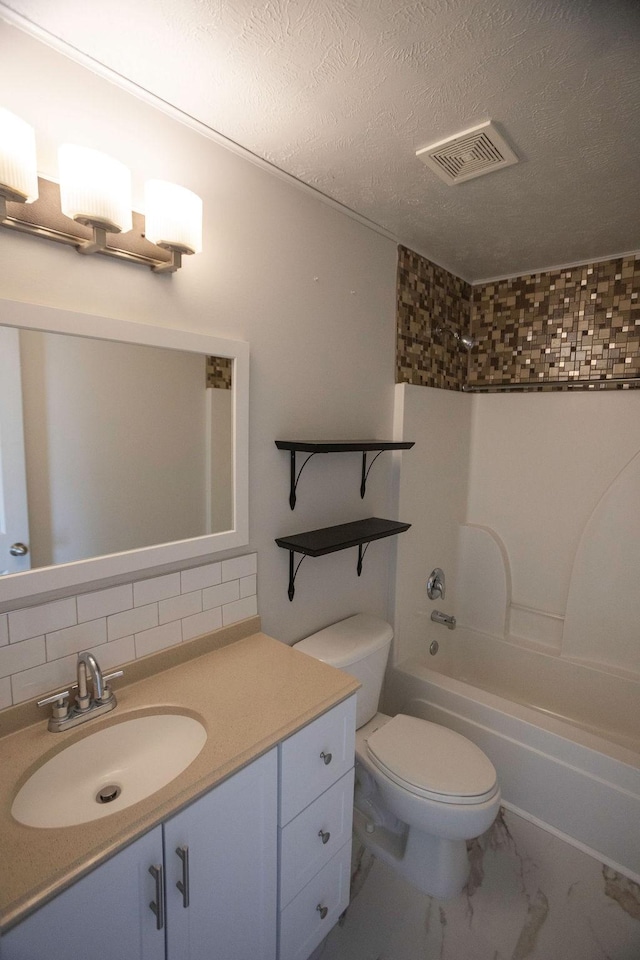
<point>106,794</point>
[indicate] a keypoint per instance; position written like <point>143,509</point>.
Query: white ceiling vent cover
<point>469,154</point>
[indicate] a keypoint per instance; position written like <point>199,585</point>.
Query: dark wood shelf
<point>343,446</point>
<point>313,447</point>
<point>317,543</point>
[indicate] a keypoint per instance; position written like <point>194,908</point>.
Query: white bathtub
<point>563,737</point>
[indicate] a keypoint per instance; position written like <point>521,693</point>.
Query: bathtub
<point>563,736</point>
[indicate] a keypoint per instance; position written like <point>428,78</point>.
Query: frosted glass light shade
<point>18,169</point>
<point>173,216</point>
<point>94,188</point>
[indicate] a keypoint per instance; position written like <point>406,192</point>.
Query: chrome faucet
<point>444,618</point>
<point>87,663</point>
<point>66,715</point>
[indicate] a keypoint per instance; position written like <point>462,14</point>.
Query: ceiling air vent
<point>469,154</point>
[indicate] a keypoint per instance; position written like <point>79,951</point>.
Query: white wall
<point>311,289</point>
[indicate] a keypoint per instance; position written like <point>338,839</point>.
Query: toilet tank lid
<point>348,641</point>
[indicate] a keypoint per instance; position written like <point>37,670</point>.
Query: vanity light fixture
<point>94,193</point>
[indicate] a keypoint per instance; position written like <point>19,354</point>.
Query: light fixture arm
<point>97,244</point>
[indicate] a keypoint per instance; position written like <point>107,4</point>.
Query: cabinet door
<point>105,914</point>
<point>231,838</point>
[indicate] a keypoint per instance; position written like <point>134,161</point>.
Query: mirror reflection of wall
<point>125,445</point>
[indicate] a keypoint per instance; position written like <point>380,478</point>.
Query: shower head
<point>467,341</point>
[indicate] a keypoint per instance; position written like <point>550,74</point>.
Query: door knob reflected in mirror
<point>18,549</point>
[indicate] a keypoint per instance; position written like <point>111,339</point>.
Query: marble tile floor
<point>531,896</point>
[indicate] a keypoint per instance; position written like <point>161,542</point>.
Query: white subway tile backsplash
<point>158,588</point>
<point>150,641</point>
<point>34,621</point>
<point>248,586</point>
<point>224,593</point>
<point>56,675</point>
<point>102,603</point>
<point>39,644</point>
<point>239,567</point>
<point>201,623</point>
<point>132,621</point>
<point>62,643</point>
<point>5,692</point>
<point>200,577</point>
<point>114,654</point>
<point>239,610</point>
<point>179,607</point>
<point>20,656</point>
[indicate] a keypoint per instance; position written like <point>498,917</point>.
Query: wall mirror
<point>122,446</point>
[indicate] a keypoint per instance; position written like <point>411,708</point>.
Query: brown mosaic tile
<point>430,298</point>
<point>219,370</point>
<point>546,330</point>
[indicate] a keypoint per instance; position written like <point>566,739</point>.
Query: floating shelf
<point>337,446</point>
<point>315,543</point>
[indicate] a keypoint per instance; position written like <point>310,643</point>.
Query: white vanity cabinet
<point>228,858</point>
<point>315,819</point>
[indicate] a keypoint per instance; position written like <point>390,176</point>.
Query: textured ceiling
<point>341,95</point>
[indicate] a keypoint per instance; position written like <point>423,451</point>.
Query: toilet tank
<point>360,646</point>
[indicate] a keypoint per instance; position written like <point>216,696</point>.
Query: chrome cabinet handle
<point>157,905</point>
<point>324,836</point>
<point>18,549</point>
<point>323,911</point>
<point>183,885</point>
<point>326,757</point>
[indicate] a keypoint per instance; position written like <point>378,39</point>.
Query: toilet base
<point>435,865</point>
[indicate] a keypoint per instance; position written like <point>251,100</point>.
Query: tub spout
<point>444,618</point>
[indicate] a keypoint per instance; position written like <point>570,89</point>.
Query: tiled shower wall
<point>39,644</point>
<point>575,323</point>
<point>430,301</point>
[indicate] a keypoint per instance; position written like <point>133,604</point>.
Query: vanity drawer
<point>303,923</point>
<point>315,757</point>
<point>312,838</point>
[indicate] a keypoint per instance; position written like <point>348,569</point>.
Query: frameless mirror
<point>122,446</point>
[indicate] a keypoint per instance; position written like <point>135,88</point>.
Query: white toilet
<point>422,790</point>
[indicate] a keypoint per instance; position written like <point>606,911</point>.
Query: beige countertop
<point>250,694</point>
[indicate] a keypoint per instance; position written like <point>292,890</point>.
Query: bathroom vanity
<point>245,856</point>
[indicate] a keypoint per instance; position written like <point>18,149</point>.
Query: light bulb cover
<point>18,164</point>
<point>94,188</point>
<point>173,216</point>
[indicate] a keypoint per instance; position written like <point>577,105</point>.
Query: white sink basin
<point>130,760</point>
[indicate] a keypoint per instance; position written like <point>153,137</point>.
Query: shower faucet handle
<point>435,584</point>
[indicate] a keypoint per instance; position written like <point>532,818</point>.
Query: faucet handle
<point>60,703</point>
<point>107,694</point>
<point>435,584</point>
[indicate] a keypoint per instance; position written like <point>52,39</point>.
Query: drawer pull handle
<point>323,911</point>
<point>324,835</point>
<point>157,905</point>
<point>183,885</point>
<point>326,757</point>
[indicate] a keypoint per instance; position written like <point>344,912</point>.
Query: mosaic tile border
<point>565,329</point>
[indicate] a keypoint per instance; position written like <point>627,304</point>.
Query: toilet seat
<point>432,761</point>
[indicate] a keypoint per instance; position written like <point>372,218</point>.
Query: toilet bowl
<point>422,790</point>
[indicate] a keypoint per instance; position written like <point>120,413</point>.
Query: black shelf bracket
<point>294,479</point>
<point>293,573</point>
<point>361,554</point>
<point>365,472</point>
